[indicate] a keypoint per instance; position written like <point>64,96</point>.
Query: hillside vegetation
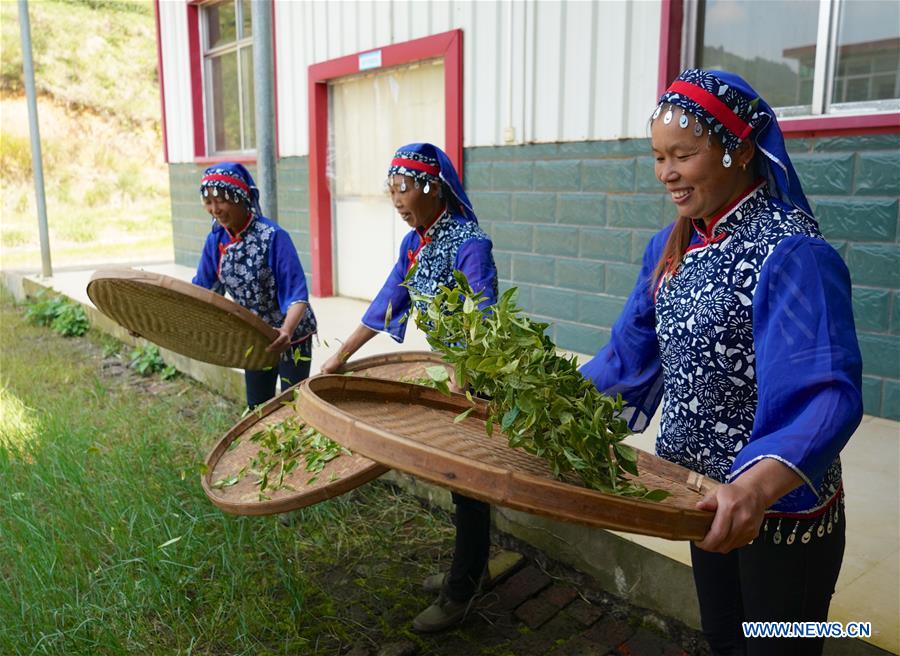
<point>106,183</point>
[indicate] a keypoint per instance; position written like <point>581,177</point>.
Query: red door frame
<point>448,45</point>
<point>671,19</point>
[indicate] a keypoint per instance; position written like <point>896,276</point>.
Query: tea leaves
<point>537,397</point>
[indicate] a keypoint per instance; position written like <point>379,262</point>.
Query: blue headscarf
<point>426,162</point>
<point>235,181</point>
<point>725,105</point>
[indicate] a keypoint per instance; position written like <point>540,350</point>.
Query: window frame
<point>678,40</point>
<point>196,38</point>
<point>238,46</point>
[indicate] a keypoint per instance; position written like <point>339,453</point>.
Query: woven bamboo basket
<point>234,450</point>
<point>411,428</point>
<point>184,318</point>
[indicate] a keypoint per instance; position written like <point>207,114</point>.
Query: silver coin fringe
<point>780,530</point>
<point>684,122</point>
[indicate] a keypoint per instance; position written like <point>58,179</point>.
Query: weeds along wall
<point>569,223</point>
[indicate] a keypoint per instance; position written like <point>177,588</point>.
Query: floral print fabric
<point>752,351</point>
<point>260,270</point>
<point>451,243</point>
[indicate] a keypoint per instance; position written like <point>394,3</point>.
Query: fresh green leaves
<point>538,398</point>
<point>228,481</point>
<point>282,447</point>
<point>58,313</point>
<point>147,360</point>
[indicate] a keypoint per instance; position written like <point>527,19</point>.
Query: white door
<point>372,115</point>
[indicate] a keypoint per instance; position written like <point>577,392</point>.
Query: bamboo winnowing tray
<point>341,475</point>
<point>413,429</point>
<point>183,317</point>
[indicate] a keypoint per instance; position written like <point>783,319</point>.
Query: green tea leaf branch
<point>537,397</point>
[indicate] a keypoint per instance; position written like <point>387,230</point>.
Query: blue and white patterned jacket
<point>452,242</point>
<point>752,346</point>
<point>259,268</point>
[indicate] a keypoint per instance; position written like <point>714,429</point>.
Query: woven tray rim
<point>508,487</point>
<point>368,470</point>
<point>400,357</point>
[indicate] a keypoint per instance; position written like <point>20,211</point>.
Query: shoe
<point>441,615</point>
<point>435,583</point>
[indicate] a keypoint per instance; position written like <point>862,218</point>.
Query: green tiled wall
<point>570,222</point>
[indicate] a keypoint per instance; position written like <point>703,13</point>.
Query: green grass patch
<point>108,545</point>
<point>153,248</point>
<point>106,184</point>
<point>98,55</point>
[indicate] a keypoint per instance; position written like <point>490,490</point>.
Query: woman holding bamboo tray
<point>427,193</point>
<point>254,260</point>
<point>742,316</point>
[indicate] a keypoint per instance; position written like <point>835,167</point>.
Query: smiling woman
<point>254,260</point>
<point>688,164</point>
<point>741,327</point>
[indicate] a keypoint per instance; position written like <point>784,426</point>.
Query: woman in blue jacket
<point>254,260</point>
<point>741,324</point>
<point>428,195</point>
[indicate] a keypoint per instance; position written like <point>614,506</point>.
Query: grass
<point>107,65</point>
<point>106,184</point>
<point>108,545</point>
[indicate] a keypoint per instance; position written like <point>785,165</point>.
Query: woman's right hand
<point>334,364</point>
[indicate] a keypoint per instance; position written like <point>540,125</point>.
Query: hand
<point>739,509</point>
<point>281,343</point>
<point>334,364</point>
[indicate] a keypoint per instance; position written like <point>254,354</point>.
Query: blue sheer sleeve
<point>808,364</point>
<point>476,261</point>
<point>630,364</point>
<point>393,296</point>
<point>290,281</point>
<point>208,268</point>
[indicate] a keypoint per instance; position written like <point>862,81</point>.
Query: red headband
<point>714,106</point>
<point>220,177</point>
<point>416,165</point>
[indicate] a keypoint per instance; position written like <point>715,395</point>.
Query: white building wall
<point>551,70</point>
<point>176,81</point>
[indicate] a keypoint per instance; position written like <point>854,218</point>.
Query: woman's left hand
<point>740,506</point>
<point>281,343</point>
<point>739,515</point>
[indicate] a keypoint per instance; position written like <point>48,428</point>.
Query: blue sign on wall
<point>369,60</point>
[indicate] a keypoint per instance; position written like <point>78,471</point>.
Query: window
<point>228,75</point>
<point>806,58</point>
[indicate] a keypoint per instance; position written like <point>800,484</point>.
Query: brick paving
<point>550,610</point>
